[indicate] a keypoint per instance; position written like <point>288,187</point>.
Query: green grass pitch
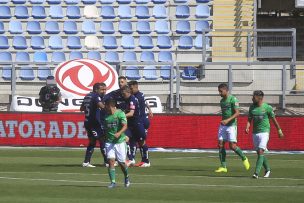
<point>55,175</point>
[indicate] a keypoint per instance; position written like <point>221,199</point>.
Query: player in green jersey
<point>116,148</point>
<point>259,113</point>
<point>228,128</point>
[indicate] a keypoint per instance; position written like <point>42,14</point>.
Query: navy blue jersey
<point>131,104</point>
<point>89,103</point>
<point>117,96</point>
<point>142,103</point>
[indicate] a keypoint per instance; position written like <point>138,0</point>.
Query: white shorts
<point>116,151</point>
<point>227,133</point>
<point>260,141</point>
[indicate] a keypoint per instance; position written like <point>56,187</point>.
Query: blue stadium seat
<point>26,73</point>
<point>21,12</point>
<point>182,11</point>
<point>15,27</point>
<point>160,12</point>
<point>198,42</point>
<point>58,57</point>
<point>5,12</point>
<point>33,27</point>
<point>52,27</point>
<point>162,27</point>
<point>124,12</point>
<point>150,73</point>
<point>165,72</point>
<point>89,1</point>
<point>19,1</point>
<point>180,1</point>
<point>71,2</point>
<point>70,27</point>
<point>147,56</point>
<point>37,1</point>
<point>143,27</point>
<point>185,42</point>
<point>106,27</point>
<point>37,42</point>
<point>202,11</point>
<point>94,55</point>
<point>107,12</point>
<point>5,57</point>
<point>127,42</point>
<point>129,56</point>
<point>124,1</point>
<point>200,25</point>
<point>73,42</point>
<point>159,1</point>
<point>145,42</point>
<point>203,1</point>
<point>107,1</point>
<point>55,42</point>
<point>43,73</point>
<point>75,55</point>
<point>142,1</point>
<point>6,70</point>
<point>109,42</point>
<point>142,12</point>
<point>56,12</point>
<point>4,1</point>
<point>164,42</point>
<point>183,27</point>
<point>40,57</point>
<point>73,12</point>
<point>112,57</point>
<point>54,1</point>
<point>19,42</point>
<point>125,27</point>
<point>4,42</point>
<point>164,56</point>
<point>38,12</point>
<point>189,73</point>
<point>132,73</point>
<point>22,57</point>
<point>88,27</point>
<point>2,30</point>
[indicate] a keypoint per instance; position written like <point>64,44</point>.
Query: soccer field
<point>56,175</point>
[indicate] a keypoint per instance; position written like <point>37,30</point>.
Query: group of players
<point>118,121</point>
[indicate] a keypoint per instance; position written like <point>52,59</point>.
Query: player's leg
<point>260,142</point>
<point>144,150</point>
<point>232,138</point>
<point>121,154</point>
<point>103,149</point>
<point>90,148</point>
<point>110,151</point>
<point>222,137</point>
<point>131,147</point>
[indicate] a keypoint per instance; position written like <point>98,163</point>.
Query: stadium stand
<point>75,55</point>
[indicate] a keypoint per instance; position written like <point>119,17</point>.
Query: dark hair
<point>110,102</point>
<point>122,77</point>
<point>97,85</point>
<point>126,88</point>
<point>132,82</point>
<point>258,93</point>
<point>223,85</point>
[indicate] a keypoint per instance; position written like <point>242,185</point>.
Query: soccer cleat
<point>127,182</point>
<point>255,176</point>
<point>88,165</point>
<point>221,170</point>
<point>112,185</point>
<point>143,164</point>
<point>130,162</point>
<point>267,174</point>
<point>246,164</point>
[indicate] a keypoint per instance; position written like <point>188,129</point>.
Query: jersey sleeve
<point>235,103</point>
<point>132,104</point>
<point>122,117</point>
<point>250,115</point>
<point>270,111</point>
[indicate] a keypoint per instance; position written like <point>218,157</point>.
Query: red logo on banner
<point>78,76</point>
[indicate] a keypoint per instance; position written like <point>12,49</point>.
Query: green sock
<point>125,171</point>
<point>111,172</point>
<point>266,164</point>
<point>222,155</point>
<point>239,152</point>
<point>259,164</point>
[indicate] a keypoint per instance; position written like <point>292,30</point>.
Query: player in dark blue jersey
<point>93,106</point>
<point>116,94</point>
<point>136,130</point>
<point>143,147</point>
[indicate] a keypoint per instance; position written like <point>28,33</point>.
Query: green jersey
<point>113,124</point>
<point>260,116</point>
<point>228,107</point>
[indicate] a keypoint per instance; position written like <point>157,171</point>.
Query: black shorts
<point>94,131</point>
<point>136,132</point>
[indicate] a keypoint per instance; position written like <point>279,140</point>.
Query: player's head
<point>50,80</point>
<point>100,88</point>
<point>122,81</point>
<point>133,86</point>
<point>110,104</point>
<point>223,89</point>
<point>257,96</point>
<point>126,92</point>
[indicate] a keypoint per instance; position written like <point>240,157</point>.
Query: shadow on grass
<point>85,186</point>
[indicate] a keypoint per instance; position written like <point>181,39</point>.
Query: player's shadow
<point>85,186</point>
<point>181,169</point>
<point>61,165</point>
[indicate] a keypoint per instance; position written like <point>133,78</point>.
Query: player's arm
<point>82,108</point>
<point>149,109</point>
<point>123,120</point>
<point>100,105</point>
<point>130,114</point>
<point>250,116</point>
<point>235,115</point>
<point>274,120</point>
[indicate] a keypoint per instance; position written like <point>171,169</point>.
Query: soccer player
<point>143,147</point>
<point>116,148</point>
<point>260,112</point>
<point>116,94</point>
<point>92,103</point>
<point>228,128</point>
